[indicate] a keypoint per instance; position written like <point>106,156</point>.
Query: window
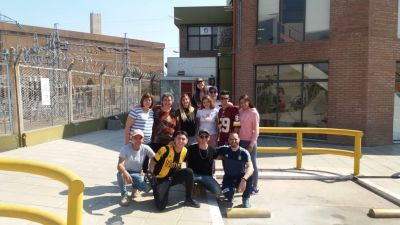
<point>292,20</point>
<point>209,38</point>
<point>292,94</point>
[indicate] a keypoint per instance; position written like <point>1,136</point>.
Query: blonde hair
<point>182,109</point>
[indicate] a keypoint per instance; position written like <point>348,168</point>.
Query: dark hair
<point>145,96</point>
<point>247,99</point>
<point>180,132</point>
<point>224,92</point>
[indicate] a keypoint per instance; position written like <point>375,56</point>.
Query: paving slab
<point>323,192</point>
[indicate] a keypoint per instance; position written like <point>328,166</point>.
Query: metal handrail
<point>75,193</point>
<point>299,149</point>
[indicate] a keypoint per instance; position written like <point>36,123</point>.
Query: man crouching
<point>166,167</point>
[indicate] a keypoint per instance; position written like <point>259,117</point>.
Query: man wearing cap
<point>129,167</point>
<point>201,160</point>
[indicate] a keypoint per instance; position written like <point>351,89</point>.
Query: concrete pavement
<point>322,193</point>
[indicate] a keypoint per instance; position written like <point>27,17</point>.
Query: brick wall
<point>361,53</point>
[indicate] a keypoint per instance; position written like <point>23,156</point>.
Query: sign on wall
<point>45,90</point>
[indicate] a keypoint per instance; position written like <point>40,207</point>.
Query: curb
<point>384,193</point>
<point>297,176</point>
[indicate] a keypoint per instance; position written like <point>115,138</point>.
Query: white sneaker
<point>124,200</point>
<point>135,193</point>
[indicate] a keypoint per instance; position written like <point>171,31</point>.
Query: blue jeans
<point>208,182</point>
<point>253,155</point>
<point>138,182</point>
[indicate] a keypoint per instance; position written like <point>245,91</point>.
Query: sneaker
<point>246,203</point>
<point>192,203</point>
<point>255,190</point>
<point>124,200</point>
<point>135,193</point>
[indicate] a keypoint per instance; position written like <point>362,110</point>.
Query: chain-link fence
<point>86,95</point>
<point>59,84</point>
<point>44,93</point>
<point>132,95</point>
<point>112,87</point>
<point>5,100</point>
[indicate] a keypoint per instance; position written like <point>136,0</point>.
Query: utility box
<point>114,123</point>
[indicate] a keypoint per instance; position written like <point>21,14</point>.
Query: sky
<point>150,20</point>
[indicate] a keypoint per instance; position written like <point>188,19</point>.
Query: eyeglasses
<point>203,136</point>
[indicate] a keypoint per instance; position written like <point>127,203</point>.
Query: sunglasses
<point>199,81</point>
<point>204,136</point>
<point>213,92</point>
<point>224,98</point>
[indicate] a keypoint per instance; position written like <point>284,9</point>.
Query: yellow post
<point>357,153</point>
<point>75,203</point>
<point>299,146</point>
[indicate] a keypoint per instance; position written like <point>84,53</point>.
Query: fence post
<point>299,146</point>
<point>102,91</point>
<point>124,95</point>
<point>357,153</point>
<point>15,82</point>
<point>69,84</point>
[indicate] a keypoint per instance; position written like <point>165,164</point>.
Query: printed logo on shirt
<point>226,156</point>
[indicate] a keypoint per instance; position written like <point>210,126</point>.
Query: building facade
<point>205,32</point>
<point>320,63</point>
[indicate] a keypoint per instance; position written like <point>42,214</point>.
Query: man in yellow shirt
<point>167,169</point>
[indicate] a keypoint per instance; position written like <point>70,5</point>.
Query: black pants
<point>162,186</point>
<point>155,147</point>
<point>229,183</point>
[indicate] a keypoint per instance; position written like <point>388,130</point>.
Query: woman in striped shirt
<point>141,118</point>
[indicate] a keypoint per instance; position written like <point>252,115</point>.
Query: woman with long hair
<point>207,119</point>
<point>187,118</point>
<point>249,131</point>
<point>201,90</point>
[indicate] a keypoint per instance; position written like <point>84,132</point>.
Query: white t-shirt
<point>134,159</point>
<point>208,120</point>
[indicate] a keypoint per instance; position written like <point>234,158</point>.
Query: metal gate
<point>44,94</point>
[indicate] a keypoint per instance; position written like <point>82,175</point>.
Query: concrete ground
<point>322,193</point>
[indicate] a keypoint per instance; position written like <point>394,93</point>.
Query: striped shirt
<point>143,121</point>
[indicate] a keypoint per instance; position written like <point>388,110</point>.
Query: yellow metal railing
<point>75,193</point>
<point>299,149</point>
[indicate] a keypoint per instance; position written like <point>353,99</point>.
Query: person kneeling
<point>130,165</point>
<point>166,171</point>
<point>238,170</point>
<point>201,160</point>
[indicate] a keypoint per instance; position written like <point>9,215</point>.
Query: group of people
<point>160,139</point>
